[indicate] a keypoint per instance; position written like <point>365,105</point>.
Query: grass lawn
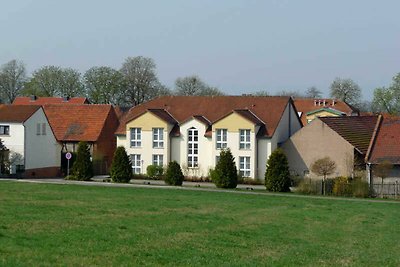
<point>80,225</point>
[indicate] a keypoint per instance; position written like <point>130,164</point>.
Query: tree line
<point>136,82</point>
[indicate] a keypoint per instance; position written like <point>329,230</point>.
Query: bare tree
<point>141,82</point>
<point>193,85</point>
<point>313,92</point>
<point>293,94</point>
<point>261,93</point>
<point>323,167</point>
<point>383,170</point>
<point>387,99</point>
<point>346,90</point>
<point>12,80</point>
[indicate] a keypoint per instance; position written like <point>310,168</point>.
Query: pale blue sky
<point>238,46</point>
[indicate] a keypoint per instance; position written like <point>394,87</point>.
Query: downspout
<point>24,151</point>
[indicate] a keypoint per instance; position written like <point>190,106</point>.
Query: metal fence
<point>387,190</point>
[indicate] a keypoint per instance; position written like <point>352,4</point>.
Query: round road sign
<point>68,155</point>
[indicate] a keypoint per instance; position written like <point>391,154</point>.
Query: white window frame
<point>244,139</point>
<point>158,159</point>
<point>136,160</point>
<point>136,137</point>
<point>221,138</point>
<point>193,148</point>
<point>158,137</point>
<point>4,129</point>
<point>244,166</point>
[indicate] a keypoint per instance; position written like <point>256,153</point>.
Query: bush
<point>342,186</point>
<point>82,168</point>
<point>121,168</point>
<point>309,187</point>
<point>360,188</point>
<point>155,172</point>
<point>225,173</point>
<point>277,175</point>
<point>174,175</point>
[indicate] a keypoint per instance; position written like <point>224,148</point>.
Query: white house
<point>192,130</point>
<point>26,133</point>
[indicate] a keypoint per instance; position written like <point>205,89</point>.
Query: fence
<point>387,190</point>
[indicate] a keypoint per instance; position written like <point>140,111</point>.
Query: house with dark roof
<point>343,139</point>
<point>192,130</point>
<point>36,100</point>
<point>308,108</point>
<point>93,123</point>
<point>30,141</point>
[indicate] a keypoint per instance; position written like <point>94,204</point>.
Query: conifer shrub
<point>121,168</point>
<point>277,175</point>
<point>174,175</point>
<point>225,173</point>
<point>82,168</point>
<point>155,172</point>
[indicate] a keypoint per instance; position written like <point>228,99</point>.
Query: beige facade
<point>316,141</point>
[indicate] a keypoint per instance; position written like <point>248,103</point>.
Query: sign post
<point>68,156</point>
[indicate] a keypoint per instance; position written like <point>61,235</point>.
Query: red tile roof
<point>182,108</point>
<point>357,130</point>
<point>386,145</point>
<point>305,105</point>
<point>10,113</point>
<point>77,122</point>
<point>23,100</point>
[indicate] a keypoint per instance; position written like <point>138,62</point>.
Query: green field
<point>88,225</point>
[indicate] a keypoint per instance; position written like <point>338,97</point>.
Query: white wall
<point>41,150</point>
<point>179,149</point>
<point>15,141</point>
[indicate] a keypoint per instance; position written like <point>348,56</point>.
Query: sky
<point>238,46</point>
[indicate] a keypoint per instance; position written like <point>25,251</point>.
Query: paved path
<point>208,187</point>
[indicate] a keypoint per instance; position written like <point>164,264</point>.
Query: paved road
<point>209,187</point>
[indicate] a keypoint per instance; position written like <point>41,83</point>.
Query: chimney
<point>315,102</point>
<point>324,102</point>
<point>33,97</point>
<point>333,102</point>
<point>65,98</point>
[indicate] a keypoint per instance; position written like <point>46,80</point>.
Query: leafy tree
<point>387,99</point>
<point>225,173</point>
<point>323,167</point>
<point>277,175</point>
<point>140,80</point>
<point>313,92</point>
<point>383,170</point>
<point>154,171</point>
<point>55,81</point>
<point>121,167</point>
<point>82,168</point>
<point>346,90</point>
<point>12,80</point>
<point>104,85</point>
<point>193,85</point>
<point>174,175</point>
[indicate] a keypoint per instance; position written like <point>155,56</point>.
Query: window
<point>222,138</point>
<point>244,142</point>
<point>158,160</point>
<point>43,128</point>
<point>4,130</point>
<point>136,137</point>
<point>244,166</point>
<point>38,129</point>
<point>193,148</point>
<point>158,137</point>
<point>136,160</point>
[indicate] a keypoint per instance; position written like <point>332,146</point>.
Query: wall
<point>315,141</point>
<point>179,149</point>
<point>147,122</point>
<point>233,123</point>
<point>15,141</point>
<point>41,151</point>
